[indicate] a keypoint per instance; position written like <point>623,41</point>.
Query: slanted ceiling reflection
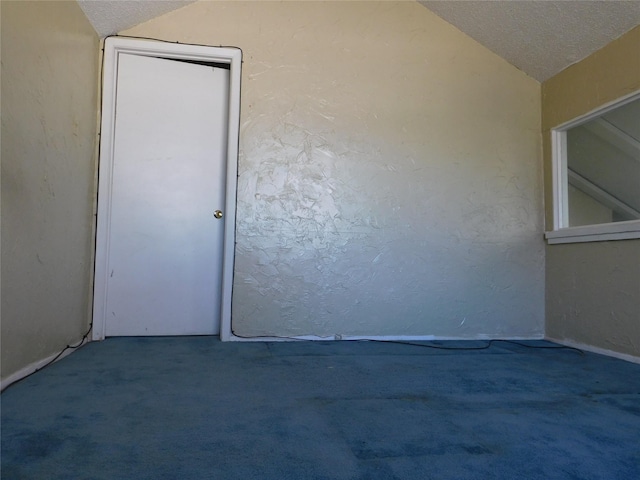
<point>604,160</point>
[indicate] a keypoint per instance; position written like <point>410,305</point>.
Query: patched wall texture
<point>49,104</point>
<point>592,289</point>
<point>390,178</point>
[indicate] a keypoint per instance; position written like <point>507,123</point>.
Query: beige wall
<point>592,289</point>
<point>604,76</point>
<point>49,98</point>
<point>390,178</point>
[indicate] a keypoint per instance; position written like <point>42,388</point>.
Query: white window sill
<point>595,233</point>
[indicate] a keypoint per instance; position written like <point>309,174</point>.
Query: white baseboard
<point>377,338</point>
<point>592,349</point>
<point>35,366</point>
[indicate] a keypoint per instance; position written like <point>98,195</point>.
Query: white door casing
<point>156,240</point>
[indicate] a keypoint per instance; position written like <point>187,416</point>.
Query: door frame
<point>113,47</point>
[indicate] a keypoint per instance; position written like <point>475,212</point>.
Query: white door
<point>168,178</point>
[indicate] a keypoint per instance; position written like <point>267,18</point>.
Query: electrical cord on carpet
<point>483,347</point>
<point>68,347</point>
<point>486,346</point>
<point>81,343</point>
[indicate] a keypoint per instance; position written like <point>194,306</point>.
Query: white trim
<point>559,175</point>
<point>35,366</point>
<point>113,46</point>
<point>377,338</point>
<point>598,350</point>
<point>595,233</point>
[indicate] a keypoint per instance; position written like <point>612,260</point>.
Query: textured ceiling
<point>111,16</point>
<point>540,37</point>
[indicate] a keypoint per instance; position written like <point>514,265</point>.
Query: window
<point>596,175</point>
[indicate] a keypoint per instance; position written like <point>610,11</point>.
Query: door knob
<point>217,214</point>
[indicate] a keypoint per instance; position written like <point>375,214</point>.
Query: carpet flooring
<point>197,408</point>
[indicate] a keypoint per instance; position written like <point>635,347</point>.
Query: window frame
<point>560,185</point>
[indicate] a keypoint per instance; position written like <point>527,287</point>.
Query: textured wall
<point>592,289</point>
<point>390,175</point>
<point>49,98</point>
<point>593,294</point>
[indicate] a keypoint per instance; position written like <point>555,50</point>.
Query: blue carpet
<point>196,408</point>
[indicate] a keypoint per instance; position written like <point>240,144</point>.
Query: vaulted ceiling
<point>540,37</point>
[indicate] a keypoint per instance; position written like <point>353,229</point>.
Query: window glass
<point>603,168</point>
